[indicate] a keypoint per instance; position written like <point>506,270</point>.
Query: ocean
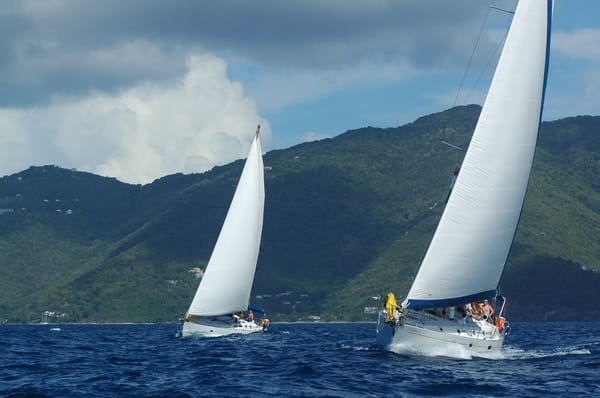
<point>289,360</point>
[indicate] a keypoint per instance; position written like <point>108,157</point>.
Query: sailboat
<point>223,294</point>
<point>464,262</point>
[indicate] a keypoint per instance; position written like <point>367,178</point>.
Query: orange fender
<point>500,323</point>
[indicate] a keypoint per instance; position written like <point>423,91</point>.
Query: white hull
<point>419,332</point>
<point>218,326</point>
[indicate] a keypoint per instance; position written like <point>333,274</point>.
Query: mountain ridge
<point>346,219</point>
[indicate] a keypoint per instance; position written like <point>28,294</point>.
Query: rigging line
<point>493,56</point>
<point>472,55</point>
<point>503,9</point>
<point>452,145</point>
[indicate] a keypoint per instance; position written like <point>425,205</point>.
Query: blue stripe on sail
<point>256,308</point>
<point>546,67</point>
<point>449,302</point>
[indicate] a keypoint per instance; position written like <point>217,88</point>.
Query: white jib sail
<point>469,249</point>
<point>227,282</point>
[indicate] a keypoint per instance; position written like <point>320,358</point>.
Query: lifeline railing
<point>420,318</point>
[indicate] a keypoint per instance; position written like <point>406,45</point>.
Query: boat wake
<point>453,351</point>
<point>506,353</point>
<point>513,353</point>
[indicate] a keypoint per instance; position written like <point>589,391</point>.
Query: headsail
<point>468,252</point>
<point>227,282</point>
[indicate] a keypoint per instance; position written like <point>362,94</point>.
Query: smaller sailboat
<point>220,305</point>
<point>447,305</point>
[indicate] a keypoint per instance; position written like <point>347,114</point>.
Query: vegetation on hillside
<point>346,220</point>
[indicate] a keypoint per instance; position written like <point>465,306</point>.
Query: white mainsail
<point>227,282</point>
<point>468,252</point>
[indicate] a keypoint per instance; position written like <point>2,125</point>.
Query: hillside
<point>346,219</point>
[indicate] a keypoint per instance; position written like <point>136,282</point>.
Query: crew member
<point>487,310</point>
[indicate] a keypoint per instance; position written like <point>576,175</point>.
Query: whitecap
<point>354,348</point>
<point>512,353</point>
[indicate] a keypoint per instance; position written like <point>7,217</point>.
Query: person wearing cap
<point>488,311</point>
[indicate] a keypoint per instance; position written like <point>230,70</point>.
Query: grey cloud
<point>56,47</point>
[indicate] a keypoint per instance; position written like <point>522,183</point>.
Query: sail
<point>468,252</point>
<point>227,282</point>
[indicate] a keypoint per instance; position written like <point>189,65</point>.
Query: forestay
<point>467,254</point>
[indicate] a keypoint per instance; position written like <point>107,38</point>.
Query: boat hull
<point>216,327</point>
<point>433,335</point>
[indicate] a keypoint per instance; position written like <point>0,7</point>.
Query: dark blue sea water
<point>295,360</point>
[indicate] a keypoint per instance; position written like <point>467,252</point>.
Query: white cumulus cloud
<point>581,43</point>
<point>141,133</point>
<point>315,136</point>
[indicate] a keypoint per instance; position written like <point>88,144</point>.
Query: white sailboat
<point>466,257</point>
<point>223,293</point>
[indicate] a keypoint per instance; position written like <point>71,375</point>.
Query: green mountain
<point>346,220</point>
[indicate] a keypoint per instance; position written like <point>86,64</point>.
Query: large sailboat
<point>220,305</point>
<point>447,304</point>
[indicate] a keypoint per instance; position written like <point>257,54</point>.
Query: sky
<point>141,89</point>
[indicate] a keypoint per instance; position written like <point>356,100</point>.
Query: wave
<point>512,353</point>
<point>453,351</point>
<point>506,353</point>
<point>355,348</point>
